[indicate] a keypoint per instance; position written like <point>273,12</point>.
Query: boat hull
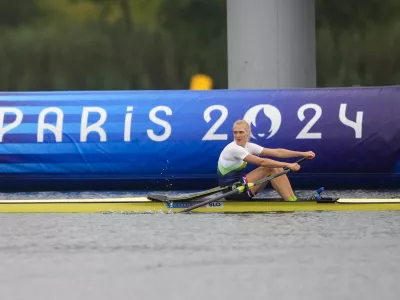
<point>143,205</point>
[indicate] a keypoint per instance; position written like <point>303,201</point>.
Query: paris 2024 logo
<point>270,118</point>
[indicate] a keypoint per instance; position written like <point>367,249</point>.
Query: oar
<point>187,197</point>
<point>240,189</point>
<point>191,196</point>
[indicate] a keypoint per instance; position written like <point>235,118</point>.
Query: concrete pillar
<point>271,44</point>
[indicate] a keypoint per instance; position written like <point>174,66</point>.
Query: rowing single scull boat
<point>144,205</point>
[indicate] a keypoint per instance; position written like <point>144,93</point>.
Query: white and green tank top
<point>231,164</point>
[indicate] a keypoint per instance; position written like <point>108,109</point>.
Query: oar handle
<point>285,171</point>
<point>297,162</point>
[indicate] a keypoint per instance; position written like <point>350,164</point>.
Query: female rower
<point>235,156</point>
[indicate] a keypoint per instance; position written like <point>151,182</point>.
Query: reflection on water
<point>318,255</point>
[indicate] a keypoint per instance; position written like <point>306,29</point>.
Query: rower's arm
<point>265,162</point>
<point>281,153</point>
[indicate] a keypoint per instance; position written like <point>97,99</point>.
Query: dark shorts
<point>239,196</point>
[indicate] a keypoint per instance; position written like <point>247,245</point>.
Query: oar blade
<point>197,195</point>
<point>158,198</point>
<point>187,197</point>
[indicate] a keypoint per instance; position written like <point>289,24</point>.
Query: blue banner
<point>158,138</point>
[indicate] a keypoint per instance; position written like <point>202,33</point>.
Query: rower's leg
<point>281,183</point>
<point>257,174</point>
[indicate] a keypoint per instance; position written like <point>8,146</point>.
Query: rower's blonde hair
<point>246,125</point>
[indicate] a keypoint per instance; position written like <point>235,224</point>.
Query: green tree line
<point>159,44</point>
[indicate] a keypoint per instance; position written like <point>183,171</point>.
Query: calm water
<point>325,255</point>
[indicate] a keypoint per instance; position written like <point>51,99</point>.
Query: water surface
<point>321,255</point>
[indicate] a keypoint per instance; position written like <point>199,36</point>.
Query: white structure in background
<point>271,44</point>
